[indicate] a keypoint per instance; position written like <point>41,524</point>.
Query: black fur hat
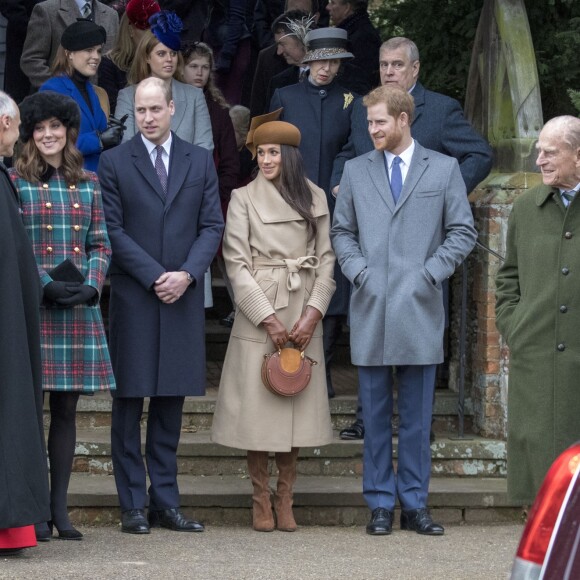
<point>45,105</point>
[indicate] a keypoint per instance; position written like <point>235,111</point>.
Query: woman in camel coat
<point>280,262</point>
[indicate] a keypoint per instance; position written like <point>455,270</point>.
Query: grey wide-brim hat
<point>326,43</point>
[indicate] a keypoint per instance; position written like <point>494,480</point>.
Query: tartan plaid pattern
<point>68,222</point>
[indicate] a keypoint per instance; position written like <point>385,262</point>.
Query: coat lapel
<point>144,166</point>
<point>268,202</point>
<point>179,165</point>
<point>418,94</point>
<point>68,12</point>
<point>380,178</point>
<point>419,163</point>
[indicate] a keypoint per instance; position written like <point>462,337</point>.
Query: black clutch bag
<point>66,272</point>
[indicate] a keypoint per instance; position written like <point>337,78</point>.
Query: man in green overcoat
<point>538,312</point>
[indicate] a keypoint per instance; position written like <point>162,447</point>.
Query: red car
<point>550,544</point>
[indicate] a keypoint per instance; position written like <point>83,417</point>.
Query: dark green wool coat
<point>538,314</point>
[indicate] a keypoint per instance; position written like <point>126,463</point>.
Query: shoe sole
<point>379,533</point>
<point>135,532</point>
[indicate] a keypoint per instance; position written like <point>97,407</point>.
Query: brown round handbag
<point>287,371</point>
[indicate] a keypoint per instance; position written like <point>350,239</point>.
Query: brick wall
<point>487,355</point>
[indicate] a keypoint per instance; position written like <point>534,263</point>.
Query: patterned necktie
<point>86,11</point>
<point>396,179</point>
<point>160,168</point>
<point>568,195</point>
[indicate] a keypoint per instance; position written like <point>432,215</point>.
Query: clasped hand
<point>69,293</point>
<point>171,286</point>
<point>301,332</point>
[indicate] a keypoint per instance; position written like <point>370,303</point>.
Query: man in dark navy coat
<point>438,124</point>
<point>164,220</point>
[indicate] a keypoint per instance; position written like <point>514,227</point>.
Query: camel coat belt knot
<point>293,280</point>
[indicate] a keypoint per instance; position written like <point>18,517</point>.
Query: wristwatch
<point>189,276</point>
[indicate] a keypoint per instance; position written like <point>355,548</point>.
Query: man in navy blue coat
<point>438,124</point>
<point>161,201</point>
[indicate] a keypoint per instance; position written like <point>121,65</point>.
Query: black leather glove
<point>56,290</point>
<point>83,294</point>
<point>111,137</point>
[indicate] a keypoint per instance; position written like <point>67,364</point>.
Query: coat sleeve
<point>276,102</point>
<point>210,225</point>
<point>127,254</point>
<point>202,134</point>
<point>324,284</point>
<point>36,52</point>
<point>349,149</point>
<point>460,235</point>
<point>345,231</point>
<point>237,253</point>
<point>126,106</point>
<point>507,283</point>
<point>228,168</point>
<point>460,140</point>
<point>97,245</point>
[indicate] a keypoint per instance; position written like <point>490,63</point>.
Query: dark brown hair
<point>31,166</point>
<point>293,186</point>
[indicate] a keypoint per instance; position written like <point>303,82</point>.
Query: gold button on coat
<point>49,249</point>
<point>76,228</point>
<point>77,250</point>
<point>48,204</point>
<point>49,228</point>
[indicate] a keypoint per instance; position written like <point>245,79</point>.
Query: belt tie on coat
<point>293,280</point>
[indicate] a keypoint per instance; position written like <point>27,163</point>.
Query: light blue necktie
<point>396,179</point>
<point>568,195</point>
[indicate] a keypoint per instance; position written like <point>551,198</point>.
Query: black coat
<point>17,14</point>
<point>269,64</point>
<point>158,349</point>
<point>24,496</point>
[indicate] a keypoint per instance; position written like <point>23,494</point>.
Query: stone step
<point>197,455</point>
<point>198,412</point>
<point>219,500</point>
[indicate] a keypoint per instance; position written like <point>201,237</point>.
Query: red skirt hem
<point>12,538</point>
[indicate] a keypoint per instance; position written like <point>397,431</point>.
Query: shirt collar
<point>151,146</point>
<point>405,156</point>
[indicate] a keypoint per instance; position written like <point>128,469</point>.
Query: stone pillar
<point>503,103</point>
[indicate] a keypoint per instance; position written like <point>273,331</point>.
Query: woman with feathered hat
<point>159,55</point>
<point>63,216</point>
<point>280,263</point>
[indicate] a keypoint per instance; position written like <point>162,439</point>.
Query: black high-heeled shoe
<point>68,534</point>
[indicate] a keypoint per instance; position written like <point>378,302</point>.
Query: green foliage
<point>575,98</point>
<point>444,31</point>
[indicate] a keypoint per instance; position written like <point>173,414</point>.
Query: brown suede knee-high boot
<point>286,463</point>
<point>262,517</point>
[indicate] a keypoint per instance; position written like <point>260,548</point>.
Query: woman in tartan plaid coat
<point>63,216</point>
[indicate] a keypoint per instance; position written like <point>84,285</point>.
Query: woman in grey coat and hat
<point>321,108</point>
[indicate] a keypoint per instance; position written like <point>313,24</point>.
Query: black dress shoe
<point>173,519</point>
<point>134,522</point>
<point>355,431</point>
<point>381,523</point>
<point>420,521</point>
<point>10,551</point>
<point>68,534</point>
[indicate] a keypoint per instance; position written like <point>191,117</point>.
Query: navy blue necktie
<point>396,179</point>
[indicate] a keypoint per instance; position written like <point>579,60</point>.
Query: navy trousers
<point>163,432</point>
<point>410,484</point>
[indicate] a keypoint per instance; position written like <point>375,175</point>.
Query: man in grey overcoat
<point>402,224</point>
<point>161,201</point>
<point>538,312</point>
